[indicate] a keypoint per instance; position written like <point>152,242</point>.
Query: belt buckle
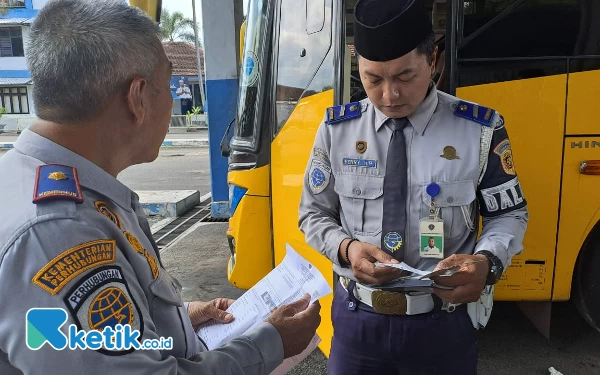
<point>388,303</point>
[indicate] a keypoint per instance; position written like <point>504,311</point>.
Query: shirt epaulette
<point>343,112</point>
<point>57,181</point>
<point>475,112</point>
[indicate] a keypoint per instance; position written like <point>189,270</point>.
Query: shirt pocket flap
<point>452,194</point>
<point>167,289</point>
<point>359,187</point>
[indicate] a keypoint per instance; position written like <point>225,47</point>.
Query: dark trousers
<point>365,342</point>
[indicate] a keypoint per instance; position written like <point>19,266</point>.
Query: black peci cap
<point>388,29</point>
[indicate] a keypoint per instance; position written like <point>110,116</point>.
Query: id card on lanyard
<point>431,229</point>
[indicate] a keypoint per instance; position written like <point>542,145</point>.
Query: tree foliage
<point>176,27</point>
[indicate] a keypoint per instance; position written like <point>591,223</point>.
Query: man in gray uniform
<point>76,240</point>
<point>388,173</point>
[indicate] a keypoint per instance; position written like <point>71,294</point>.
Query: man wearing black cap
<point>390,171</point>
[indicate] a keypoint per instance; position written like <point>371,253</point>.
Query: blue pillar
<point>218,27</point>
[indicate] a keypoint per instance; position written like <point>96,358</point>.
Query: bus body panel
<point>584,91</point>
<point>534,113</point>
<point>290,151</point>
<point>249,231</point>
<point>580,209</point>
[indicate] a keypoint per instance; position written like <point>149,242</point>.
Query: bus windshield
<point>253,61</point>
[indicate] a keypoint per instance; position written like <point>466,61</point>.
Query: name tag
<point>360,163</point>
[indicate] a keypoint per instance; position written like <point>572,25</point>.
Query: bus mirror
<point>225,149</point>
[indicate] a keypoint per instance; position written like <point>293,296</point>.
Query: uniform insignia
<point>55,181</point>
<point>475,112</point>
<point>449,153</point>
<point>102,207</point>
<point>343,112</point>
<point>392,241</point>
<point>73,262</point>
<point>321,154</point>
<point>152,262</point>
<point>361,146</point>
<point>505,153</point>
<point>319,176</point>
<point>103,299</point>
<point>360,163</point>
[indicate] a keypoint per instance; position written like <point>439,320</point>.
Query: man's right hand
<point>297,323</point>
<point>362,256</point>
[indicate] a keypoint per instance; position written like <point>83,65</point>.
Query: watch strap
<point>496,267</point>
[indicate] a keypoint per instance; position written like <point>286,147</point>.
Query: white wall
<point>39,4</point>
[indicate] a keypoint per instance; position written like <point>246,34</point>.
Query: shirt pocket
<point>361,200</point>
<point>169,315</point>
<point>456,203</point>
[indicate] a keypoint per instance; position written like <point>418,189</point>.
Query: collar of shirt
<point>90,175</point>
<point>420,118</point>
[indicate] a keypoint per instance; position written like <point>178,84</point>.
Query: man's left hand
<point>202,312</point>
<point>469,281</point>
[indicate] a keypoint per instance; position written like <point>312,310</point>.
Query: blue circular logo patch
<point>392,241</point>
<point>317,177</point>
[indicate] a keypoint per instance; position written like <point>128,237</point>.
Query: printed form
<point>288,282</point>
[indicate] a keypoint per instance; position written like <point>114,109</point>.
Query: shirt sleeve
<point>319,218</point>
<point>54,264</point>
<point>502,203</point>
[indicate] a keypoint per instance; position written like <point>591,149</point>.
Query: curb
<point>171,203</point>
<point>171,143</point>
<point>185,143</point>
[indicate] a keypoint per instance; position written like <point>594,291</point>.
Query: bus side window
<point>303,57</point>
<point>315,16</point>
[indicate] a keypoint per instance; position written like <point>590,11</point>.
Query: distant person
<point>183,91</point>
<point>77,239</point>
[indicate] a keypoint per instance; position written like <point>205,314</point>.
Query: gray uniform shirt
<point>85,256</point>
<point>343,184</point>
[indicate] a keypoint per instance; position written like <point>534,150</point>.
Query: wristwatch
<point>496,267</point>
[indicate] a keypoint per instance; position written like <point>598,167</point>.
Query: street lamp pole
<point>201,84</point>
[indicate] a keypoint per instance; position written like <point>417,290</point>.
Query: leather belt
<point>391,303</point>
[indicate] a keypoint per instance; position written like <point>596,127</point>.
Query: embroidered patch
<point>475,112</point>
<point>73,262</point>
<point>392,241</point>
<point>502,198</point>
<point>103,299</point>
<point>319,176</point>
<point>343,112</point>
<point>321,154</point>
<point>449,153</point>
<point>152,262</point>
<point>361,147</point>
<point>360,163</point>
<point>505,153</point>
<point>56,181</point>
<point>102,207</point>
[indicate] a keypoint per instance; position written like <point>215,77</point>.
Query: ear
<point>137,100</point>
<point>434,58</point>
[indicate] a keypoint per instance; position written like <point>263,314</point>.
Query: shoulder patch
<point>102,299</point>
<point>344,112</point>
<point>56,181</point>
<point>102,207</point>
<point>73,262</point>
<point>475,112</point>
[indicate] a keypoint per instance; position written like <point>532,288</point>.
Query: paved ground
<point>175,134</point>
<point>174,169</point>
<point>509,345</point>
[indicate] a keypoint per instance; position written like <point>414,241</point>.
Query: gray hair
<point>81,52</point>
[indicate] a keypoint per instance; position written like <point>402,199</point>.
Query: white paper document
<point>288,282</point>
<point>403,266</point>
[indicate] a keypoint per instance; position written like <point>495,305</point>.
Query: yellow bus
<point>535,61</point>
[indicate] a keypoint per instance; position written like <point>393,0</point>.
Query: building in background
<point>185,87</point>
<point>15,80</point>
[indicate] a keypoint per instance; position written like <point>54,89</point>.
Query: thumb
<point>213,312</point>
<point>381,255</point>
<point>300,305</point>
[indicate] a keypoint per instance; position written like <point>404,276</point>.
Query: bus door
<point>304,80</point>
